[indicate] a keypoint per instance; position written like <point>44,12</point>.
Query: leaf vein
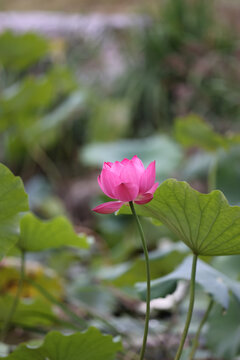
<point>226,229</point>
<point>210,229</point>
<point>186,218</point>
<point>179,223</point>
<point>201,215</point>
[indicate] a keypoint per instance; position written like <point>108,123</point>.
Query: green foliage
<point>29,312</point>
<point>38,235</point>
<point>25,97</point>
<point>13,200</point>
<point>214,283</point>
<point>161,262</point>
<point>223,331</point>
<point>185,61</point>
<point>192,130</point>
<point>38,104</point>
<point>111,114</point>
<point>79,346</point>
<point>18,52</point>
<point>42,276</point>
<point>25,107</point>
<point>188,20</point>
<point>229,265</point>
<point>34,94</point>
<point>206,223</point>
<point>47,130</point>
<point>94,296</point>
<point>228,175</point>
<point>198,166</point>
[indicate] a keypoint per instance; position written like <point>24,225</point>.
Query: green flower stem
<point>144,245</point>
<point>196,338</point>
<point>9,317</point>
<point>190,308</point>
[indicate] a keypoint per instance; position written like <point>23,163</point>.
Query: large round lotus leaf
<point>38,235</point>
<point>91,345</point>
<point>206,223</point>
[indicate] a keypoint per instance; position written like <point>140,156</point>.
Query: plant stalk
<point>212,175</point>
<point>196,338</point>
<point>190,308</point>
<point>13,308</point>
<point>46,163</point>
<point>144,245</point>
<point>71,314</point>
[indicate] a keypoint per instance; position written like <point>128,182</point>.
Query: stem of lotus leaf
<point>190,308</point>
<point>196,338</point>
<point>148,298</point>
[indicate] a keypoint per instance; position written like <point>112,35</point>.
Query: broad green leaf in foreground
<point>91,345</point>
<point>223,331</point>
<point>13,200</point>
<point>205,222</point>
<point>215,283</point>
<point>38,235</point>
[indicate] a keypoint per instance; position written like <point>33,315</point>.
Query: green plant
<point>40,101</point>
<point>36,235</point>
<point>180,66</point>
<point>206,223</point>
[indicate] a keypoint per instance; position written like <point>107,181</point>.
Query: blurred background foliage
<point>169,91</point>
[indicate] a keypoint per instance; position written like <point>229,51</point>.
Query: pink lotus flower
<point>126,181</point>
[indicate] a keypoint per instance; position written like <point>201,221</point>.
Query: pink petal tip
<point>108,207</point>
